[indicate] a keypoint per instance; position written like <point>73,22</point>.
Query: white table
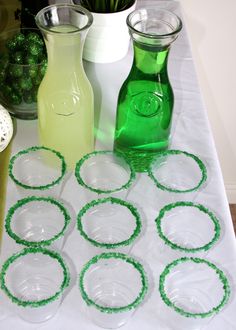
<point>190,132</point>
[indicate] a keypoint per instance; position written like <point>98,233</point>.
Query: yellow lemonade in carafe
<point>65,97</point>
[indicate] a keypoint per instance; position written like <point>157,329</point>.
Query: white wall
<point>211,26</point>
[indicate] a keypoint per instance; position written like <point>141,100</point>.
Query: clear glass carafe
<point>65,96</point>
<point>145,102</point>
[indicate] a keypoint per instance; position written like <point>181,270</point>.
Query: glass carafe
<point>145,101</point>
<point>65,96</point>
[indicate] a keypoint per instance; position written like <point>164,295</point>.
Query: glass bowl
<point>23,63</point>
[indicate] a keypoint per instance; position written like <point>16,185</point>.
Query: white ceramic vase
<point>108,38</point>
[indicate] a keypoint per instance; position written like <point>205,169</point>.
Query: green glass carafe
<point>146,100</point>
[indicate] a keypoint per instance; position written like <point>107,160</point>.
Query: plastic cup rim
<point>38,303</point>
<point>111,200</point>
<point>42,243</point>
<point>39,187</point>
<point>80,163</point>
<point>222,278</point>
<point>125,258</point>
<point>202,208</point>
<point>198,161</point>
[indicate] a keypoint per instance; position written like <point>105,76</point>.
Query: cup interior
<point>37,168</point>
<point>178,171</point>
<point>187,226</point>
<point>109,222</point>
<point>34,278</point>
<point>36,220</point>
<point>104,172</point>
<point>112,283</point>
<point>194,287</point>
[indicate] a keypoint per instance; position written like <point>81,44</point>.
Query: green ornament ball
<point>28,98</point>
<point>43,67</point>
<point>20,39</point>
<point>15,99</point>
<point>32,70</point>
<point>17,57</point>
<point>31,59</point>
<point>26,83</point>
<point>35,38</point>
<point>35,49</point>
<point>37,80</point>
<point>15,70</point>
<point>16,86</point>
<point>11,44</point>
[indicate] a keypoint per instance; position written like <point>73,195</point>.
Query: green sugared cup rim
<point>198,161</point>
<point>223,279</point>
<point>174,246</point>
<point>104,152</point>
<point>43,302</point>
<point>111,200</point>
<point>125,258</point>
<point>40,187</point>
<point>23,202</point>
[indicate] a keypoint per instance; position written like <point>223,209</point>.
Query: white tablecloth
<point>190,132</point>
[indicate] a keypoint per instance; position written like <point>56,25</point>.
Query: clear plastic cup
<point>179,175</point>
<point>34,280</point>
<point>186,228</point>
<point>109,223</point>
<point>112,285</point>
<point>105,173</point>
<point>192,290</point>
<point>38,221</point>
<point>5,307</point>
<point>38,170</point>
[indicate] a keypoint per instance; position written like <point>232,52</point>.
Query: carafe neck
<point>152,30</point>
<point>64,50</point>
<point>64,27</point>
<point>150,60</point>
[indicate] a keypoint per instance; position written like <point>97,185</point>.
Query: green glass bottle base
<point>140,160</point>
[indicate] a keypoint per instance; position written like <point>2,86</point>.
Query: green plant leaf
<point>106,6</point>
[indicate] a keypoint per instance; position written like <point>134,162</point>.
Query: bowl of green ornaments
<point>23,63</point>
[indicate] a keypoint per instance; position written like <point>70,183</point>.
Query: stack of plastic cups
<point>112,284</point>
<point>35,278</point>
